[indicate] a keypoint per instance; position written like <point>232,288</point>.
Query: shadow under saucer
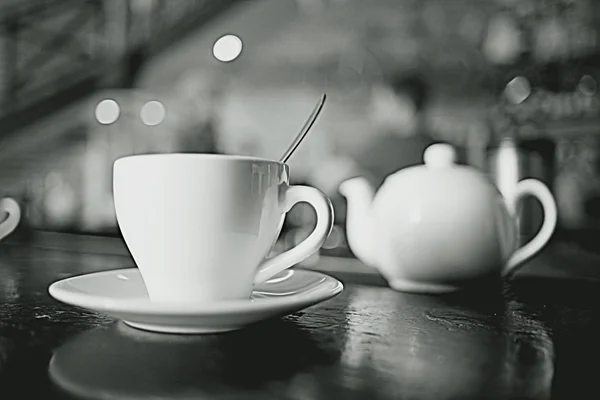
<point>117,361</point>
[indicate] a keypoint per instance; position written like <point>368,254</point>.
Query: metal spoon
<point>305,129</point>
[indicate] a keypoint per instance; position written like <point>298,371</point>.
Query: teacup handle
<point>13,216</point>
<point>538,190</point>
<point>322,205</point>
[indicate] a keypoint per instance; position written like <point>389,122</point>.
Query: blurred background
<point>83,82</point>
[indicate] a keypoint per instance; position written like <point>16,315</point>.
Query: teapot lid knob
<point>439,155</point>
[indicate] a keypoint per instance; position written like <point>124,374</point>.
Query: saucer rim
<point>102,304</point>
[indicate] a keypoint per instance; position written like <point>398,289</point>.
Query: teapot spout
<point>359,221</point>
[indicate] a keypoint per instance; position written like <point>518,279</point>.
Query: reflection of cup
<point>12,210</point>
<point>449,348</point>
<point>199,226</point>
<point>120,362</point>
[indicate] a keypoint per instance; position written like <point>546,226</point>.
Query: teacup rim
<point>206,156</point>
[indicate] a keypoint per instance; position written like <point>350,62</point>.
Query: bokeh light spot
<point>518,90</point>
<point>153,113</point>
<point>107,111</point>
<point>587,85</point>
<point>227,48</point>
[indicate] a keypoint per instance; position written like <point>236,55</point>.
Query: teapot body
<point>435,227</point>
<point>436,231</point>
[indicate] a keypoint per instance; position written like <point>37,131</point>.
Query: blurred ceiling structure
<point>55,52</point>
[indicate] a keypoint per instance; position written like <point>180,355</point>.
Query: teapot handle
<point>12,210</point>
<point>538,190</point>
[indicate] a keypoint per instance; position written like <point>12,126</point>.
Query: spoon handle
<point>307,125</point>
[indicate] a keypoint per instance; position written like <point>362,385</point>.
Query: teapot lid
<point>439,175</point>
<point>439,155</point>
<point>441,162</point>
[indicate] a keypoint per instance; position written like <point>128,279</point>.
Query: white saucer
<point>122,294</point>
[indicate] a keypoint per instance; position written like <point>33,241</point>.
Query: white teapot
<point>436,227</point>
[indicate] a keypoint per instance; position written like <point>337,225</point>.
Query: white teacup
<point>10,215</point>
<point>199,226</point>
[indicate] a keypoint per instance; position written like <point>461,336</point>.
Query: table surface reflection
<point>535,338</point>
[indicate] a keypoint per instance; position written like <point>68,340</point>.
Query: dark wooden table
<point>535,338</point>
